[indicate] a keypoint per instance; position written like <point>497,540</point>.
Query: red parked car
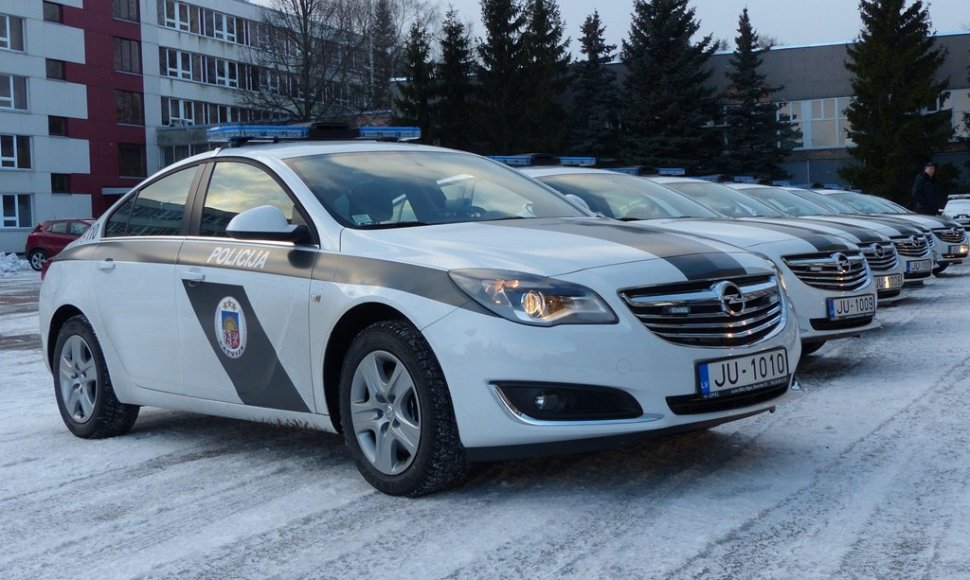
<point>50,237</point>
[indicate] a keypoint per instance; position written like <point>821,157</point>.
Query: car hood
<point>932,222</point>
<point>755,235</point>
<point>889,227</point>
<point>546,246</point>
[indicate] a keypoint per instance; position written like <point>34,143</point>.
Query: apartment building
<point>95,95</point>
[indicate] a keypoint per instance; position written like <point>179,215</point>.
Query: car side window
<point>78,228</point>
<point>58,228</point>
<point>156,210</point>
<point>236,187</point>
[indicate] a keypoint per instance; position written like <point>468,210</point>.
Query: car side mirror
<point>578,201</point>
<point>266,222</point>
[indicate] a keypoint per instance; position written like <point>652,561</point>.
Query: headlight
<point>532,299</point>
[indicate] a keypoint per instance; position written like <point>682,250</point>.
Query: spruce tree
<point>502,82</point>
<point>414,103</point>
<point>894,65</point>
<point>455,92</point>
<point>546,57</point>
<point>668,105</point>
<point>595,101</point>
<point>755,142</point>
<point>383,54</point>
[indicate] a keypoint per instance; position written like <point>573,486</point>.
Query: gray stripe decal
<point>418,280</point>
<point>279,260</point>
<point>821,242</point>
<point>258,374</point>
<point>695,259</point>
<point>864,235</point>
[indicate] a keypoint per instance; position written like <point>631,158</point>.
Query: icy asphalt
<point>864,474</point>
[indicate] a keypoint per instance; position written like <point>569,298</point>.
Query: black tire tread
<point>446,466</point>
<point>111,417</point>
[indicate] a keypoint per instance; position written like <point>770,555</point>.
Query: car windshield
<point>826,201</point>
<point>383,189</point>
<point>891,206</point>
<point>626,197</point>
<point>723,199</point>
<point>862,203</point>
<point>786,202</point>
<point>958,206</point>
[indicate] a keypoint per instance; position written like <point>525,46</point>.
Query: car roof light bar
<point>238,134</point>
<point>390,133</point>
<point>578,161</point>
<point>671,171</point>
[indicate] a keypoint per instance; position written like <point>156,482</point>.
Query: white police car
<point>958,209</point>
<point>436,307</point>
<point>827,278</point>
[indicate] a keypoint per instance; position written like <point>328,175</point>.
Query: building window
<point>13,92</point>
<point>131,160</point>
<point>15,210</point>
<point>14,152</point>
<point>178,64</point>
<point>11,33</point>
<point>180,16</point>
<point>129,108</point>
<point>127,55</point>
<point>125,9</point>
<point>53,12</point>
<point>224,73</point>
<point>55,69</point>
<point>57,126</point>
<point>60,183</point>
<point>177,112</point>
<point>218,25</point>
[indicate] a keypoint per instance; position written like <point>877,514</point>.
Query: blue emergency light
<point>227,133</point>
<point>743,179</point>
<point>513,160</point>
<point>633,170</point>
<point>671,171</point>
<point>578,161</point>
<point>391,133</point>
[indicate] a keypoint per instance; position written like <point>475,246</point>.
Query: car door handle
<point>195,276</point>
<point>106,265</point>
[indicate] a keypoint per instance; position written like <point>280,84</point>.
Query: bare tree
<point>309,59</point>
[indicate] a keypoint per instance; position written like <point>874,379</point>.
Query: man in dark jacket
<point>925,197</point>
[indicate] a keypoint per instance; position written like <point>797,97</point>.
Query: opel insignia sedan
<point>435,307</point>
<point>950,242</point>
<point>827,277</point>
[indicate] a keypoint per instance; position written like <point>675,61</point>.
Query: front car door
<point>243,304</point>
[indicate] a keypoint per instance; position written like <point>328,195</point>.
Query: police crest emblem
<point>230,327</point>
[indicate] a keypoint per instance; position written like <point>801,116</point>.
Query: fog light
<point>547,402</point>
<point>567,402</point>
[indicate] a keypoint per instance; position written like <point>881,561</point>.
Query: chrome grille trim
<point>889,259</point>
<point>951,235</point>
<point>824,271</point>
<point>912,246</point>
<point>696,313</point>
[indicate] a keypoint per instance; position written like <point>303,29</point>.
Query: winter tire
<point>397,414</point>
<point>82,385</point>
<point>37,258</point>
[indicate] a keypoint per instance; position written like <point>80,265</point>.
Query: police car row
<point>435,307</point>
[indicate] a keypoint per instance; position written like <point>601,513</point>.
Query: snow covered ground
<point>865,474</point>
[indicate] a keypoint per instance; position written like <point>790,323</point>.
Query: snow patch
<point>10,263</point>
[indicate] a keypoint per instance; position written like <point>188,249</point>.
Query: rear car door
<point>243,304</point>
<point>135,279</point>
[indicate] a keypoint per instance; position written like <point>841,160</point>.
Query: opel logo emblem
<point>731,297</point>
<point>842,262</point>
<point>912,240</point>
<point>878,250</point>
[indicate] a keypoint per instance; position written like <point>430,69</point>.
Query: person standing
<point>925,196</point>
